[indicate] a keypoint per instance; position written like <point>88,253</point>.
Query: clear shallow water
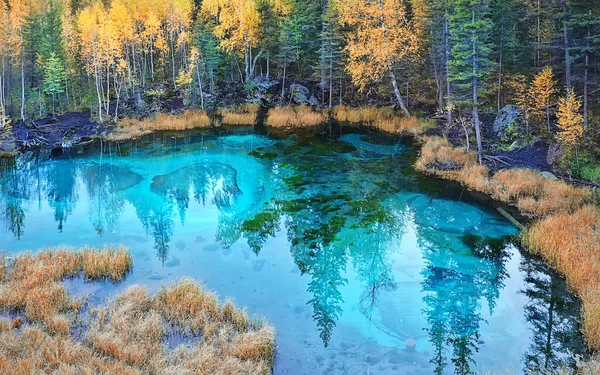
<point>363,266</point>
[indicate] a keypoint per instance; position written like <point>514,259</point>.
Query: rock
<point>299,94</point>
<point>265,85</point>
<point>509,119</point>
<point>555,153</point>
<point>411,344</point>
<point>549,176</point>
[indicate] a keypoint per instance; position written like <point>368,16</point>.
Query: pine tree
<point>470,63</point>
<point>54,78</point>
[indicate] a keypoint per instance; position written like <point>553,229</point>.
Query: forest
<point>461,62</point>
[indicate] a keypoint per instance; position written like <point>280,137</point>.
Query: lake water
<point>362,265</point>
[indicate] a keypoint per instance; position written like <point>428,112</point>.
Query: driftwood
<point>447,166</point>
<point>503,160</point>
<point>510,218</point>
<point>581,182</point>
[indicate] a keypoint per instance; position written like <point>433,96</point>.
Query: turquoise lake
<point>361,264</point>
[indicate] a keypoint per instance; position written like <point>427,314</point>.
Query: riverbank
<point>565,222</point>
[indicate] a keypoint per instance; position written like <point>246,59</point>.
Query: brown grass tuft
<point>245,115</point>
<point>295,117</point>
<point>382,118</point>
<point>107,264</point>
<point>128,128</point>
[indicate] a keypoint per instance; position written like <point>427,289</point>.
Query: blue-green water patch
<point>338,243</point>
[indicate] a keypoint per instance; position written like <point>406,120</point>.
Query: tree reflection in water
<point>334,205</point>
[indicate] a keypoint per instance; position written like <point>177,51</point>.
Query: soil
<point>56,132</point>
<point>532,157</point>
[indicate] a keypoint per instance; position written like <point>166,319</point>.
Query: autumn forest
<point>408,186</point>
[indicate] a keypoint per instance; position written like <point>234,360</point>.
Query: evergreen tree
<point>470,62</point>
<point>54,78</point>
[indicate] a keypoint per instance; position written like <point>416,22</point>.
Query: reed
<point>295,117</point>
<point>244,115</point>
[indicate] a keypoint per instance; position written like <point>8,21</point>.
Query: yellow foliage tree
<point>540,91</point>
<point>238,28</point>
<point>570,121</point>
<point>381,36</point>
<point>4,55</point>
<point>19,10</point>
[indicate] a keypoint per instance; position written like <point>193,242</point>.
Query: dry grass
<point>128,129</point>
<point>32,282</point>
<point>245,115</point>
<point>571,244</point>
<point>382,118</point>
<point>110,263</point>
<point>528,190</point>
<point>295,117</point>
<point>127,336</point>
<point>535,195</point>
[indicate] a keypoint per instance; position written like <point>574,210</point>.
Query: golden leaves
<point>381,37</point>
<point>570,121</point>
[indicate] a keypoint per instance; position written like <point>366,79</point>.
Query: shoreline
<point>541,200</point>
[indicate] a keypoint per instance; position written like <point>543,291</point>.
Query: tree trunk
<point>323,56</point>
<point>283,80</point>
<point>331,79</point>
<point>500,52</point>
<point>586,73</point>
<point>568,78</point>
<point>22,90</point>
<point>447,63</point>
<point>397,93</point>
<point>475,96</point>
<point>200,86</point>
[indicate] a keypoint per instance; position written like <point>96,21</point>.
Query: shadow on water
<point>343,203</point>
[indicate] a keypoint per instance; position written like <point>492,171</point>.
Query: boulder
<point>300,94</point>
<point>549,176</point>
<point>509,119</point>
<point>265,85</point>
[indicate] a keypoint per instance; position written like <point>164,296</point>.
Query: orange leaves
<point>570,121</point>
<point>380,36</point>
<point>239,23</point>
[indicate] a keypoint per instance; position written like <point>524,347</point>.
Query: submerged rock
<point>212,181</point>
<point>115,177</point>
<point>358,141</point>
<point>248,141</point>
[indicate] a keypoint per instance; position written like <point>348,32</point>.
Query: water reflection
<point>422,269</point>
<point>554,315</point>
